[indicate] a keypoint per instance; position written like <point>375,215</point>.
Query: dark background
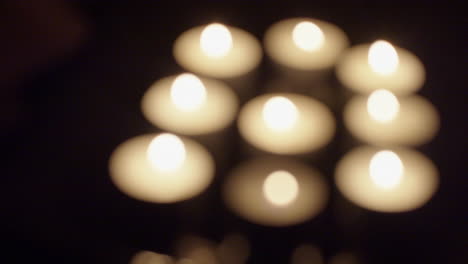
<point>68,103</point>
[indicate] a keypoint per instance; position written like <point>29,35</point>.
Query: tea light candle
<point>305,43</point>
<point>275,191</point>
<point>218,51</point>
<point>383,119</point>
<point>386,180</point>
<point>189,105</point>
<point>286,123</point>
<point>161,168</point>
<point>365,68</point>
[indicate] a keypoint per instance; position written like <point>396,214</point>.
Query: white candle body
<point>417,122</point>
<point>217,111</point>
<point>242,58</point>
<point>416,187</point>
<point>313,129</point>
<point>355,72</point>
<point>133,174</point>
<point>280,45</point>
<point>242,192</point>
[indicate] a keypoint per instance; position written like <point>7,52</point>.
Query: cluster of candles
<point>279,189</point>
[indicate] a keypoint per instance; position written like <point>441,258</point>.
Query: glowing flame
<point>187,92</point>
<point>383,58</point>
<point>383,106</point>
<point>386,169</point>
<point>279,113</point>
<point>280,188</point>
<point>216,40</point>
<point>308,36</point>
<point>166,152</point>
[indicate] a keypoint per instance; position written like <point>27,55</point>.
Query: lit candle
<point>383,119</point>
<point>275,192</point>
<point>305,44</point>
<point>218,51</point>
<point>386,180</point>
<point>187,104</point>
<point>365,68</point>
<point>286,123</point>
<point>161,168</point>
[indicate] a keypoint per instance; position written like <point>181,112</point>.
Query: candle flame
<point>279,113</point>
<point>216,40</point>
<point>386,169</point>
<point>188,92</point>
<point>166,152</point>
<point>280,188</point>
<point>308,36</point>
<point>383,106</point>
<point>383,58</point>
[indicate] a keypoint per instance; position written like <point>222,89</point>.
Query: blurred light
<point>197,250</point>
<point>157,173</point>
<point>307,254</point>
<point>379,186</point>
<point>243,192</point>
<point>187,92</point>
<point>148,257</point>
<point>280,188</point>
<point>186,104</point>
<point>386,169</point>
<point>216,40</point>
<point>234,249</point>
<point>308,36</point>
<point>383,58</point>
<point>383,106</point>
<point>166,152</point>
<point>279,113</point>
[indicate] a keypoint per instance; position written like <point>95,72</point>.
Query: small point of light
<point>386,169</point>
<point>308,36</point>
<point>383,58</point>
<point>166,152</point>
<point>280,188</point>
<point>188,92</point>
<point>279,113</point>
<point>216,40</point>
<point>383,106</point>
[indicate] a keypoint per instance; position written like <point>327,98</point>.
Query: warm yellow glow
<point>308,36</point>
<point>383,106</point>
<point>280,188</point>
<point>188,92</point>
<point>166,152</point>
<point>216,40</point>
<point>148,257</point>
<point>386,169</point>
<point>383,58</point>
<point>279,113</point>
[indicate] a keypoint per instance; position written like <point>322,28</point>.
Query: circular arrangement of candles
<point>305,44</point>
<point>161,168</point>
<point>286,123</point>
<point>380,65</point>
<point>275,191</point>
<point>383,119</point>
<point>384,180</point>
<point>218,51</point>
<point>187,104</point>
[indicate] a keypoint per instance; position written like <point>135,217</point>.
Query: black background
<point>58,204</point>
